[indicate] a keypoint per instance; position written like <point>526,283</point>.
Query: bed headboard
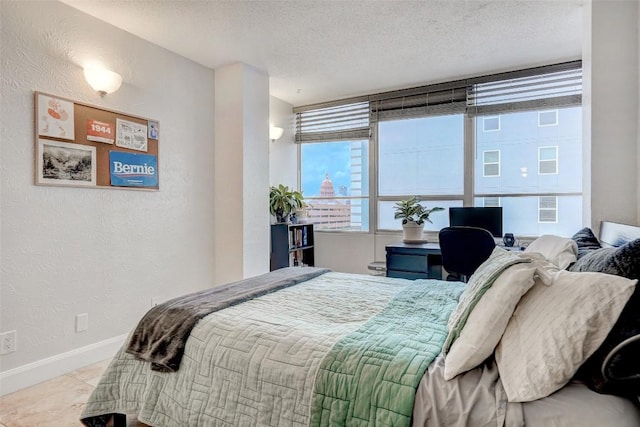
<point>616,234</point>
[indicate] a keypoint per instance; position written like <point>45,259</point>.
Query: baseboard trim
<point>60,364</point>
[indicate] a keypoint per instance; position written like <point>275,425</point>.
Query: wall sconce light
<point>101,80</point>
<point>523,172</point>
<point>275,133</point>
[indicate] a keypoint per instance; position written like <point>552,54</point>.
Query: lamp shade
<point>101,80</point>
<point>275,133</point>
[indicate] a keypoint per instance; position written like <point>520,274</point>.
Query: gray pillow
<point>622,261</point>
<point>586,241</point>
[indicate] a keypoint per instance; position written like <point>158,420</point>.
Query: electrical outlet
<point>82,322</point>
<point>8,343</point>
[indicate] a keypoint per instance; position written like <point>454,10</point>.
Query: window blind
<point>548,88</point>
<point>337,122</point>
<point>430,102</point>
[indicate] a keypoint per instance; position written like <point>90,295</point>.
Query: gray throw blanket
<point>161,335</point>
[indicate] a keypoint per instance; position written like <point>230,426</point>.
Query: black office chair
<point>464,249</point>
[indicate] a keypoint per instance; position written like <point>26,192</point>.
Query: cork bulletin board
<point>81,145</point>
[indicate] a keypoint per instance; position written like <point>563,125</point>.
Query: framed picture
<point>62,163</point>
<point>55,117</point>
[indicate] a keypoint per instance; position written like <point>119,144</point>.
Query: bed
<point>312,347</point>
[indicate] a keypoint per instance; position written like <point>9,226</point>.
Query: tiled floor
<point>57,402</point>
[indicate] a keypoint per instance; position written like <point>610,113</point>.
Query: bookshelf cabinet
<point>291,245</point>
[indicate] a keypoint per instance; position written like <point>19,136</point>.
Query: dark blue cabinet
<point>291,245</point>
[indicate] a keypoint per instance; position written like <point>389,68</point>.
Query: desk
<point>418,261</point>
<point>414,261</point>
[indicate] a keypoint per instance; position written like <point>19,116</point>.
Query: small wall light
<point>101,80</point>
<point>275,133</point>
<point>523,172</point>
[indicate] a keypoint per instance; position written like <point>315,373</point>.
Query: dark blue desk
<point>418,261</point>
<point>414,261</point>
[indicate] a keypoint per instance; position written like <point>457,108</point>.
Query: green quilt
<point>370,376</point>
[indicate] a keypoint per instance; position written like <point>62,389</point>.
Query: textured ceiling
<point>315,51</point>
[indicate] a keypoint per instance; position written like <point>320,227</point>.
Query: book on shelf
<point>296,258</point>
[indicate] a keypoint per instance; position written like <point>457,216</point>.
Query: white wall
<point>241,173</point>
<point>348,252</point>
<point>614,111</point>
<point>66,251</point>
<point>255,176</point>
<point>283,153</point>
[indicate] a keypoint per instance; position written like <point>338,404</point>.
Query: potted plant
<point>301,215</point>
<point>283,201</point>
<point>413,216</point>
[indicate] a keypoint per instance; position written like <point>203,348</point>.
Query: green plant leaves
<point>283,200</point>
<point>411,210</point>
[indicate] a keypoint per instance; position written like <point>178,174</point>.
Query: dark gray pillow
<point>623,261</point>
<point>586,241</point>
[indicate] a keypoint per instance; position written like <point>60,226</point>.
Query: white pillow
<point>488,320</point>
<point>479,282</point>
<point>560,251</point>
<point>554,329</point>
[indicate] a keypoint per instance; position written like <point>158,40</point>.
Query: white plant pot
<point>412,231</point>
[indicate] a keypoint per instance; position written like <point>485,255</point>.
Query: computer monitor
<point>488,218</point>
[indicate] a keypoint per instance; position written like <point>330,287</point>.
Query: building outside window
<point>526,148</point>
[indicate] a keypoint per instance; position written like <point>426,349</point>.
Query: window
<point>550,201</point>
<point>422,157</point>
<point>334,165</point>
<point>490,124</point>
<point>547,160</point>
<point>548,209</point>
<point>491,163</point>
<point>334,177</point>
<point>548,118</point>
<point>524,150</point>
<point>487,141</point>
